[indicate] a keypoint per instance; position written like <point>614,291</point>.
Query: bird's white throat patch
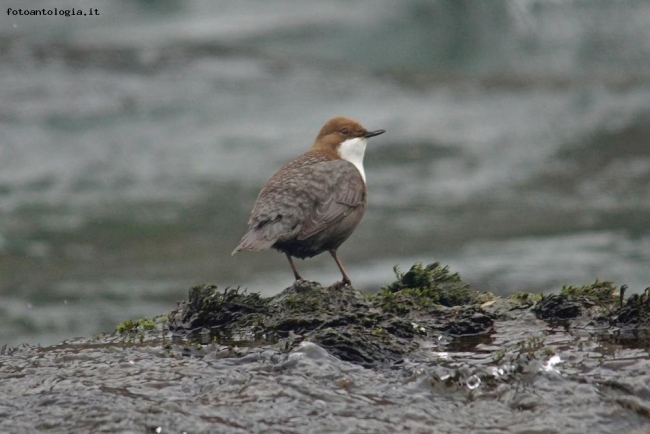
<point>353,150</point>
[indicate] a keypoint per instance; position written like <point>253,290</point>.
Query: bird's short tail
<point>253,240</point>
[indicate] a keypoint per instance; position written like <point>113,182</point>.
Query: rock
<point>368,330</point>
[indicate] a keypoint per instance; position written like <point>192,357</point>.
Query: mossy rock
<point>370,330</point>
<point>419,307</point>
<point>428,290</point>
<point>595,300</point>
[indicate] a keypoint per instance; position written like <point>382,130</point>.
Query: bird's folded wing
<point>340,191</point>
<point>305,197</point>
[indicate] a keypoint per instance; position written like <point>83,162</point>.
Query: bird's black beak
<point>369,134</point>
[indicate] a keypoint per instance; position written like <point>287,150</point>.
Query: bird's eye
<point>345,131</point>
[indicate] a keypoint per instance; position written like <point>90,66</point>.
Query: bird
<point>314,202</point>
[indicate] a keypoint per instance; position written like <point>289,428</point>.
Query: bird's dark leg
<point>293,267</point>
<point>346,279</point>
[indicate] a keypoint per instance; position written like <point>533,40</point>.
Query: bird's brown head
<point>344,138</point>
<point>341,130</point>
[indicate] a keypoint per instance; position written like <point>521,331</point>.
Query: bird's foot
<point>341,284</point>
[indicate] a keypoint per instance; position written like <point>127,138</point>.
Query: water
<point>134,144</point>
<point>556,381</point>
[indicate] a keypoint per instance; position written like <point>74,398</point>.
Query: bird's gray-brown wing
<point>341,191</point>
<point>303,198</point>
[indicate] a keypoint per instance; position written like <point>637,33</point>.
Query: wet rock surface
<point>372,331</point>
<point>427,353</point>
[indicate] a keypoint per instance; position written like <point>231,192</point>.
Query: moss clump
<point>304,302</point>
<point>600,293</point>
<point>147,323</point>
<point>208,305</point>
<point>423,287</point>
<point>433,275</point>
<point>126,326</point>
<point>141,325</point>
<point>525,297</point>
<point>596,302</point>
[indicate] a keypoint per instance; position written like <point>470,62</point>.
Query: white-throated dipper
<point>314,203</point>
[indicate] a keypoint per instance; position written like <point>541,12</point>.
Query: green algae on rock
<point>142,324</point>
<point>593,301</point>
<point>420,307</point>
<point>433,284</point>
<point>368,330</point>
<point>599,307</point>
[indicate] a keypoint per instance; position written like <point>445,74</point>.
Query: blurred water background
<point>133,145</point>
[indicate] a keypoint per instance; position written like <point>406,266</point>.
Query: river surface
<point>524,378</point>
<point>133,144</point>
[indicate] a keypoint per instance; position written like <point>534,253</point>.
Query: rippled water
<point>526,377</point>
<point>134,144</point>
